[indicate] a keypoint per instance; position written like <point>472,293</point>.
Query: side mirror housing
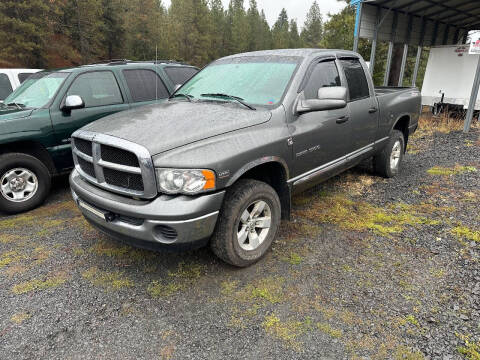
<point>73,102</point>
<point>329,98</point>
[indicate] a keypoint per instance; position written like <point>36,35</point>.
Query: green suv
<point>38,118</point>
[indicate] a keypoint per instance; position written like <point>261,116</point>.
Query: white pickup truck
<point>10,79</point>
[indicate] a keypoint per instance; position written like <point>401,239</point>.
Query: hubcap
<point>18,185</point>
<point>254,225</point>
<point>395,156</point>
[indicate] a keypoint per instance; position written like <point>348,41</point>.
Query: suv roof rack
<point>126,61</point>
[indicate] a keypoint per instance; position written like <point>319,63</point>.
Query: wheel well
<point>402,125</point>
<point>274,174</point>
<point>31,148</point>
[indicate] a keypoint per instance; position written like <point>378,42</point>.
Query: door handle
<point>372,110</point>
<point>342,119</point>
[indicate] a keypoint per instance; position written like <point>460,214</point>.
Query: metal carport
<point>419,23</point>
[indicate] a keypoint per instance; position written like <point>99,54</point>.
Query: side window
<point>324,74</point>
<point>180,75</point>
<point>145,85</point>
<point>356,79</point>
<point>23,76</point>
<point>97,88</point>
<point>5,86</point>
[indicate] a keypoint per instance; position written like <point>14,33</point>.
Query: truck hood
<point>163,127</point>
<point>13,113</point>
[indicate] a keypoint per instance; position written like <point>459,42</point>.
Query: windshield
<point>37,90</point>
<point>258,80</point>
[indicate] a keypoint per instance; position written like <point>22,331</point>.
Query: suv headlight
<point>185,181</point>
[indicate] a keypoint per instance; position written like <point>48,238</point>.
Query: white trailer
<point>449,78</point>
<point>10,79</point>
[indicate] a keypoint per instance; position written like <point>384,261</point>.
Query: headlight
<point>175,181</point>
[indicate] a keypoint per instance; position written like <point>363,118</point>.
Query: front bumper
<point>165,220</point>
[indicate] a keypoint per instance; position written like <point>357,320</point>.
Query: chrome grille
<point>114,164</point>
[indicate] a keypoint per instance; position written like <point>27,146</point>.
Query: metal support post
<point>473,99</point>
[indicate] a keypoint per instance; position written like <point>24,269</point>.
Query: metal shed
<point>419,23</point>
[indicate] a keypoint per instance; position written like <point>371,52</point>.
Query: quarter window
<point>324,74</point>
<point>5,86</point>
<point>145,85</point>
<point>356,79</point>
<point>23,76</point>
<point>98,88</point>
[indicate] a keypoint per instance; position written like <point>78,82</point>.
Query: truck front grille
<point>114,164</point>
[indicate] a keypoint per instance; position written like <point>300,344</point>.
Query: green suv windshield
<point>257,80</point>
<point>37,90</point>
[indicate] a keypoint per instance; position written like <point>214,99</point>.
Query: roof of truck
<point>123,63</point>
<point>293,52</point>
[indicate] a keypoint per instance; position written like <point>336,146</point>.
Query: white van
<point>10,79</point>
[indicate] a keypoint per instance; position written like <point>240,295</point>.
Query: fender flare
<point>257,162</point>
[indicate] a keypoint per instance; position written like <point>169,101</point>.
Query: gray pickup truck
<point>219,161</point>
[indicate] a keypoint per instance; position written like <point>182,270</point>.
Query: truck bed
<point>384,90</point>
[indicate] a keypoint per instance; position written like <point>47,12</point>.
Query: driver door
<point>102,96</point>
<point>320,137</point>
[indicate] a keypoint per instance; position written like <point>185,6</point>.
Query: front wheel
<point>24,182</point>
<point>387,162</point>
<point>248,223</point>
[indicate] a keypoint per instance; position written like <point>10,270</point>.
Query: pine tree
<point>280,34</point>
<point>295,41</point>
<point>313,28</point>
<point>237,20</point>
<point>24,32</point>
<point>266,41</point>
<point>218,24</point>
<point>113,26</point>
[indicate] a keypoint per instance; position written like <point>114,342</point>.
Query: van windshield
<point>257,80</point>
<point>37,90</point>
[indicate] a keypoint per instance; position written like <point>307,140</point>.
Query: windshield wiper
<point>236,98</point>
<point>18,105</point>
<point>188,97</point>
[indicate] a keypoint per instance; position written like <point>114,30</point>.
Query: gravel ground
<point>367,268</point>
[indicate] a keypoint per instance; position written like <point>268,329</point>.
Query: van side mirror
<point>73,102</point>
<point>329,98</point>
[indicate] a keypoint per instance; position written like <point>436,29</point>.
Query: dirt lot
<point>368,268</point>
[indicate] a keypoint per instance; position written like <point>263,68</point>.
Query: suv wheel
<point>248,223</point>
<point>387,162</point>
<point>24,182</point>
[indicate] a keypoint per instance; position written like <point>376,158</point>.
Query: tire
<point>29,170</point>
<point>384,165</point>
<point>242,198</point>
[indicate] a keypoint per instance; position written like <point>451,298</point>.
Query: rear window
<point>145,85</point>
<point>5,86</point>
<point>356,79</point>
<point>23,76</point>
<point>180,75</point>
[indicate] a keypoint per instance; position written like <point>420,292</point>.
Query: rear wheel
<point>388,161</point>
<point>248,223</point>
<point>24,182</point>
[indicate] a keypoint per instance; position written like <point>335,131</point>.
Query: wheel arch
<point>273,171</point>
<point>32,148</point>
<point>402,124</point>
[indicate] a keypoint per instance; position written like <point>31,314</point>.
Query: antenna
<point>156,77</point>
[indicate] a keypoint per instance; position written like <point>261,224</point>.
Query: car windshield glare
<point>37,90</point>
<point>257,80</point>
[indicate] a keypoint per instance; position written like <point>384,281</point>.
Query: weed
<point>111,280</point>
<point>327,329</point>
<point>9,258</point>
<point>470,349</point>
<point>287,331</point>
<point>404,353</point>
<point>412,320</point>
<point>445,171</point>
<point>463,232</point>
<point>20,317</point>
<point>37,284</point>
<point>293,259</point>
<point>267,289</point>
<point>156,289</point>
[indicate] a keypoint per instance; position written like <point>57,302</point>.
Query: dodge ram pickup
<point>219,161</point>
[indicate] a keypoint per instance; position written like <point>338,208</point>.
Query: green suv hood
<point>172,124</point>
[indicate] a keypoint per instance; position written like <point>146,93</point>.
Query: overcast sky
<point>296,9</point>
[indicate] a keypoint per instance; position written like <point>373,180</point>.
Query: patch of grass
<point>287,331</point>
<point>330,331</point>
<point>229,287</point>
<point>465,233</point>
<point>9,258</point>
<point>412,320</point>
<point>111,280</point>
<point>293,259</point>
<point>449,171</point>
<point>20,317</point>
<point>405,353</point>
<point>156,289</point>
<point>269,289</point>
<point>9,238</point>
<point>40,284</point>
<point>339,209</point>
<point>470,349</point>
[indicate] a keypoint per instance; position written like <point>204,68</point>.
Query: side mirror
<point>73,102</point>
<point>329,98</point>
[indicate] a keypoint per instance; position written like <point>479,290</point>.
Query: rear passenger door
<point>102,96</point>
<point>145,86</point>
<point>362,105</point>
